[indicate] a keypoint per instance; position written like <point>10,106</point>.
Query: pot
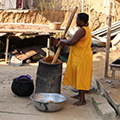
<point>55,25</point>
<point>23,85</point>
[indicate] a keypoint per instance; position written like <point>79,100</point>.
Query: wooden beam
<point>30,31</point>
<point>7,47</point>
<point>48,46</point>
<point>82,6</point>
<point>42,28</point>
<point>108,42</point>
<point>3,34</point>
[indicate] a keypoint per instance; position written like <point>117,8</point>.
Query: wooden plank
<point>30,31</point>
<point>22,23</point>
<point>18,34</point>
<point>20,31</point>
<point>27,28</point>
<point>25,53</point>
<point>3,34</point>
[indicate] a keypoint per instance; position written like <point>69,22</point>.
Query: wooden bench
<point>115,65</point>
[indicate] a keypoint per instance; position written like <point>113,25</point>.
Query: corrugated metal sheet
<point>102,32</point>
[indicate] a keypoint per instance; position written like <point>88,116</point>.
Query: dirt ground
<point>16,108</point>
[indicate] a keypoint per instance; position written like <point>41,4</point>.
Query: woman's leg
<point>82,98</point>
<point>78,96</point>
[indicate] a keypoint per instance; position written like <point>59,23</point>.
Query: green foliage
<point>52,4</point>
<point>43,4</point>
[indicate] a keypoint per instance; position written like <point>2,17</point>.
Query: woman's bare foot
<point>79,103</point>
<point>76,96</point>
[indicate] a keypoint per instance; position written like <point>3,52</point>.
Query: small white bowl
<point>55,25</point>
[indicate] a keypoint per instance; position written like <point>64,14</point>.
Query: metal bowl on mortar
<point>48,102</point>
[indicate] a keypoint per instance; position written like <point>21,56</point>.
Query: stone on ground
<point>103,108</point>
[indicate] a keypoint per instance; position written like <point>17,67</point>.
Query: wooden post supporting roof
<point>108,41</point>
<point>82,5</point>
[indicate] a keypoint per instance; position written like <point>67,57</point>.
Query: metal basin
<point>48,102</point>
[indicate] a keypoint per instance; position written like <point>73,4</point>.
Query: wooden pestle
<point>66,29</point>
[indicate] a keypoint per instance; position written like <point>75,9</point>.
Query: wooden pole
<point>7,47</point>
<point>48,46</point>
<point>89,14</point>
<point>82,5</point>
<point>108,42</point>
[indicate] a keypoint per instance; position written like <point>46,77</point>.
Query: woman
<point>79,66</point>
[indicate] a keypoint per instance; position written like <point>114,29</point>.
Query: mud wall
<point>98,13</point>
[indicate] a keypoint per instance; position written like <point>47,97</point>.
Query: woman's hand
<point>63,37</point>
<point>59,43</point>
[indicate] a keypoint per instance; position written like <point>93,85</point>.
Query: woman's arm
<point>80,33</point>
